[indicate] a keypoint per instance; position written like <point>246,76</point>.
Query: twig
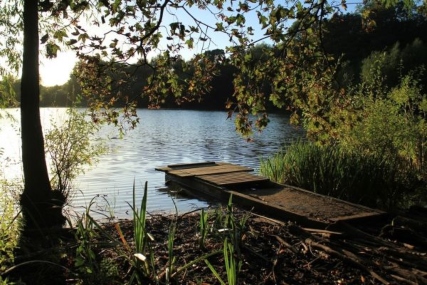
<point>286,244</point>
<point>7,271</point>
<point>347,256</point>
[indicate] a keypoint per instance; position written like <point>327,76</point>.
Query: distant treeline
<point>349,37</point>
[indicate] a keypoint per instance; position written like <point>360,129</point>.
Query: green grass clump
<point>140,254</point>
<point>135,252</point>
<point>9,229</point>
<point>368,179</point>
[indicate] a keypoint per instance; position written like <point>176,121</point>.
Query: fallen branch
<point>347,257</point>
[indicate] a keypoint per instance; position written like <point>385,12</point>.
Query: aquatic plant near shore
<point>203,226</point>
<point>358,177</point>
<point>141,238</point>
<point>113,253</point>
<point>234,231</point>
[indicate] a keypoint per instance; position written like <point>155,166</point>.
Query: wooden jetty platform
<point>219,179</point>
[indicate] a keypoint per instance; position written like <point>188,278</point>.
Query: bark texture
<point>36,200</point>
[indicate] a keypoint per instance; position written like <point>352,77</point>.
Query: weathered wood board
<point>235,178</point>
<point>208,170</point>
<point>218,180</point>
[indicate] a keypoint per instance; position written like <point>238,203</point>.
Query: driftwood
<point>325,233</point>
<point>388,259</point>
<point>395,254</point>
<point>349,257</point>
<point>286,244</point>
<point>404,235</point>
<point>419,225</point>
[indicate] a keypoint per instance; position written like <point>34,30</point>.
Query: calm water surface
<point>163,137</point>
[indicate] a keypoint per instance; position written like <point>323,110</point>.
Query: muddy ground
<point>270,252</point>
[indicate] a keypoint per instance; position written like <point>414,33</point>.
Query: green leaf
<point>194,29</point>
<point>230,20</point>
<point>263,20</point>
<point>174,25</point>
<point>44,38</point>
<point>190,43</point>
<point>130,10</point>
<point>83,37</point>
<point>240,19</point>
<point>79,262</point>
<point>52,50</point>
<point>71,42</point>
<point>138,27</point>
<point>116,5</point>
<point>60,35</point>
<point>181,31</point>
<point>219,27</point>
<point>423,105</point>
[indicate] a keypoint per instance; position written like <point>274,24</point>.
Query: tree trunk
<point>37,190</point>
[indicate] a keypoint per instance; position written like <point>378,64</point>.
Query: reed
<point>203,227</point>
<point>231,233</point>
<point>171,238</point>
<point>273,167</point>
<point>139,254</point>
<point>358,177</point>
<point>143,257</point>
<point>85,233</point>
<point>232,263</point>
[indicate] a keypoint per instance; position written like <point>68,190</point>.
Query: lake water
<point>163,137</point>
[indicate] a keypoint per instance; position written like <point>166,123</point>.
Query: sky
<point>57,71</point>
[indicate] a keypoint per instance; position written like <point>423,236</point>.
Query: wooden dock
<point>219,179</point>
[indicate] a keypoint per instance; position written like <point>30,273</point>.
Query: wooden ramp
<point>219,179</point>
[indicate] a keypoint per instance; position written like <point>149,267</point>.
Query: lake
<point>163,137</point>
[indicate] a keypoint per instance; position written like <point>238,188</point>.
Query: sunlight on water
<point>163,137</point>
<point>10,134</point>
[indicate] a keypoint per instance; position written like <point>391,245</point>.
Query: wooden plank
<point>229,179</point>
<point>217,169</point>
<point>192,165</point>
<point>185,165</point>
<point>179,166</point>
<point>358,215</point>
<point>219,180</point>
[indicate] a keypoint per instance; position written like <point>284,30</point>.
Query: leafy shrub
<point>70,147</point>
<point>393,126</point>
<point>9,226</point>
<point>375,138</point>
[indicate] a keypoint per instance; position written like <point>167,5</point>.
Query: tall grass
<point>143,257</point>
<point>88,265</point>
<point>232,264</point>
<point>273,167</point>
<point>368,179</point>
<point>203,227</point>
<point>100,256</point>
<point>232,242</point>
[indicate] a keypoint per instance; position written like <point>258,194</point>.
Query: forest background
<point>389,39</point>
